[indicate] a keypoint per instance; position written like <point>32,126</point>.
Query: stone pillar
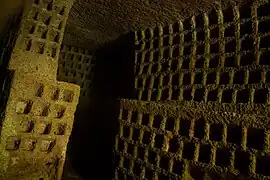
<point>40,110</point>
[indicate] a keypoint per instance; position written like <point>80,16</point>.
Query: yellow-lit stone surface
<point>183,141</point>
<point>203,99</point>
<point>40,110</point>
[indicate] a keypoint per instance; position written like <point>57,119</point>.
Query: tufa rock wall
<point>76,65</point>
<point>184,142</point>
<point>216,57</point>
<point>40,110</point>
<point>203,95</point>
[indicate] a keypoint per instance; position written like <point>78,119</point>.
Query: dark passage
<point>92,141</point>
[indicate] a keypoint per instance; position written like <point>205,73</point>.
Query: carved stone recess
<point>77,65</point>
<point>218,57</point>
<point>203,99</point>
<point>160,140</point>
<point>40,110</point>
<point>41,34</point>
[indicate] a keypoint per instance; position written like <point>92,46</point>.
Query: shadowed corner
<point>95,126</point>
<point>8,39</point>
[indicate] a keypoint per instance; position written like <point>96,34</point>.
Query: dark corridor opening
<point>95,126</point>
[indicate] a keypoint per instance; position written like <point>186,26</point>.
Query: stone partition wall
<point>203,99</point>
<point>218,57</point>
<point>184,141</point>
<point>76,65</point>
<point>40,110</point>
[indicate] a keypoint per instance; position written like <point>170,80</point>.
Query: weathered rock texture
<point>93,23</point>
<point>218,57</point>
<point>210,74</point>
<point>76,65</point>
<point>40,110</point>
<point>184,142</point>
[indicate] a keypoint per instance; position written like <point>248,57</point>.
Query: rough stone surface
<point>37,135</point>
<point>209,74</point>
<point>214,67</point>
<point>182,142</point>
<point>40,110</point>
<point>216,58</point>
<point>76,65</point>
<point>93,23</point>
<point>42,31</point>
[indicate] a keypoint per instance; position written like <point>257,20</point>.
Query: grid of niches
<point>37,118</point>
<point>44,27</point>
<point>76,65</point>
<point>224,86</point>
<point>152,145</point>
<point>204,51</point>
